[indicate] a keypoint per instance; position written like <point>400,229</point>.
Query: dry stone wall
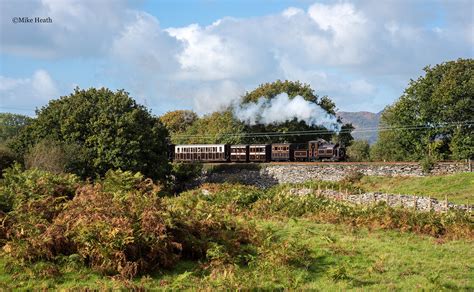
<point>424,204</point>
<point>272,174</point>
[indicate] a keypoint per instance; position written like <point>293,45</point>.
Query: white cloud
<point>216,96</point>
<point>27,93</point>
<point>209,55</point>
<point>292,11</point>
<point>78,28</point>
<point>361,53</point>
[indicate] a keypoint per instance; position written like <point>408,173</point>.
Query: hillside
<point>362,120</point>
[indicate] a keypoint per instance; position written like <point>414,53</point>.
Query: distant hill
<point>362,120</point>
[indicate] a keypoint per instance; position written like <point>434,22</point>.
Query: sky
<point>205,54</point>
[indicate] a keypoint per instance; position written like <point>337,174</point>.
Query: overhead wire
<point>316,132</point>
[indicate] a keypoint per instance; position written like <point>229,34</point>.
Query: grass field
<point>459,188</point>
<point>333,257</point>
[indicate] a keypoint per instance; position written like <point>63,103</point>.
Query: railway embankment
<point>267,175</point>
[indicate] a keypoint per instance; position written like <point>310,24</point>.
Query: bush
<point>352,177</point>
<point>53,156</point>
<point>116,226</point>
<point>199,225</point>
<point>183,175</point>
<point>20,187</point>
<point>359,151</point>
<point>427,164</point>
<point>7,158</point>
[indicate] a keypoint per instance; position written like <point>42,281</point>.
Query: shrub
<point>183,175</point>
<point>359,151</point>
<point>7,158</point>
<point>353,176</point>
<point>116,226</point>
<point>58,157</point>
<point>427,164</point>
<point>199,225</point>
<point>126,236</point>
<point>20,187</point>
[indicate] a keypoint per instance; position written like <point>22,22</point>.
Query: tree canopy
<point>431,117</point>
<point>218,127</point>
<point>110,129</point>
<point>179,120</point>
<point>292,88</point>
<point>11,124</point>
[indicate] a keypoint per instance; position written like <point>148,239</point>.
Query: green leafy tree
<point>292,88</point>
<point>431,117</point>
<point>11,124</point>
<point>7,158</point>
<point>218,127</point>
<point>108,128</point>
<point>179,120</point>
<point>176,122</point>
<point>359,151</point>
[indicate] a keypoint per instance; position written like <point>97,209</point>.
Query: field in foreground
<point>122,231</point>
<point>329,257</point>
<point>459,188</point>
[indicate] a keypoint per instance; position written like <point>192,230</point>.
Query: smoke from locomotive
<point>281,109</point>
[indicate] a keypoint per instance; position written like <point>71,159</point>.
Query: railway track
<point>323,163</point>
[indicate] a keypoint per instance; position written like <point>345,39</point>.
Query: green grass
<point>338,258</point>
<point>459,188</point>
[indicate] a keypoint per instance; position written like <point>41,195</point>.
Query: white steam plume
<point>281,109</point>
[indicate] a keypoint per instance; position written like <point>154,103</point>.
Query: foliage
<point>427,163</point>
<point>20,187</point>
<point>352,177</point>
<point>176,122</point>
<point>270,90</point>
<point>292,88</point>
<point>344,137</point>
<point>110,128</point>
<point>7,157</point>
<point>280,201</point>
<point>434,104</point>
<point>359,151</point>
<point>324,251</point>
<point>218,127</point>
<point>55,157</point>
<point>184,174</point>
<point>11,124</point>
<point>462,144</point>
<point>117,227</point>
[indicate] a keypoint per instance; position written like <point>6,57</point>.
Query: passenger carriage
<point>201,153</point>
<point>259,153</point>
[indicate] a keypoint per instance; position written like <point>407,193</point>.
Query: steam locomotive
<point>317,150</point>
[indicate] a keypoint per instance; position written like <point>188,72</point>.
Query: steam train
<point>317,150</point>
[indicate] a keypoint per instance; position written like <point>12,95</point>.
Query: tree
<point>108,128</point>
<point>432,116</point>
<point>359,151</point>
<point>179,120</point>
<point>292,88</point>
<point>11,124</point>
<point>7,158</point>
<point>218,127</point>
<point>176,122</point>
